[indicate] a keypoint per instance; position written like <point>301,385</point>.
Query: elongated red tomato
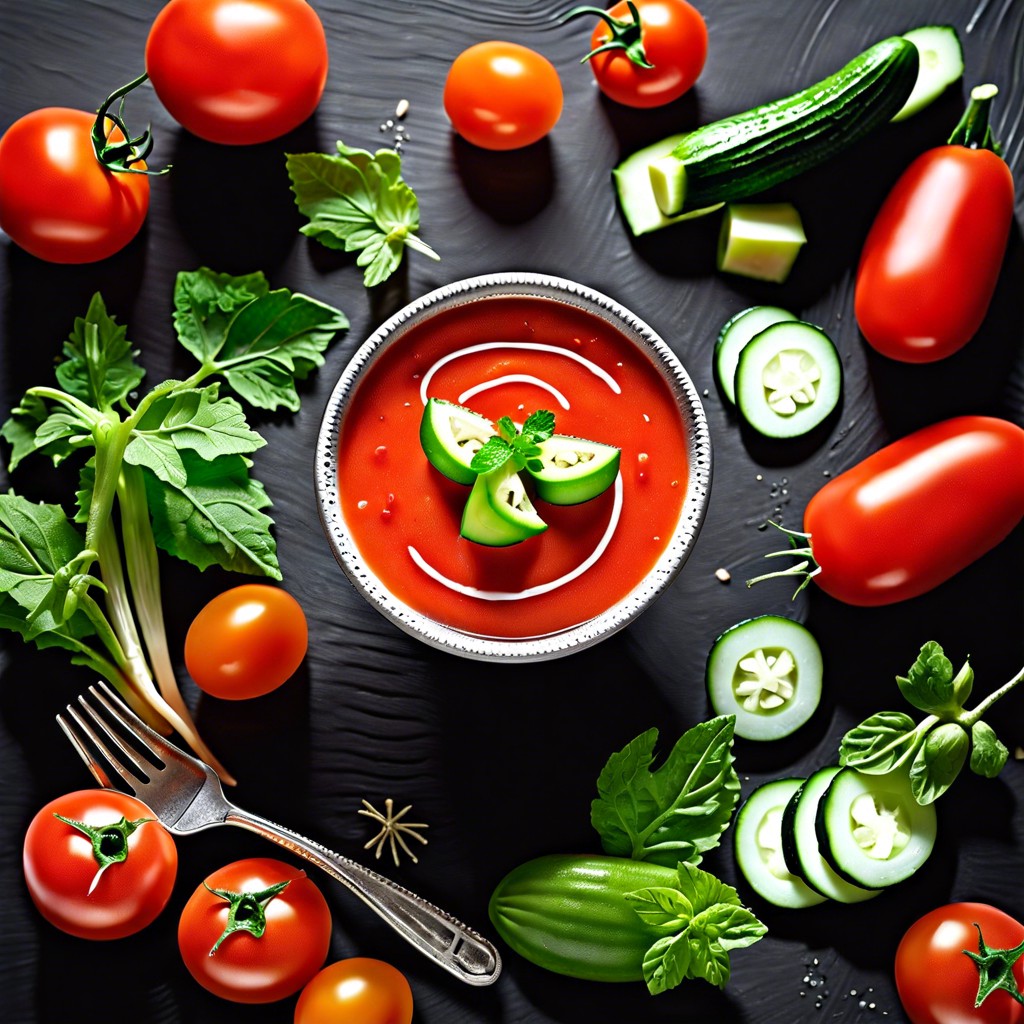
<point>918,511</point>
<point>932,257</point>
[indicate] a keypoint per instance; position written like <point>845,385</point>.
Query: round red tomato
<point>654,60</point>
<point>938,983</point>
<point>356,991</point>
<point>246,642</point>
<point>106,876</point>
<point>502,95</point>
<point>57,201</point>
<point>238,71</point>
<point>280,938</point>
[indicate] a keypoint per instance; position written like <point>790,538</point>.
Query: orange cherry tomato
<point>356,991</point>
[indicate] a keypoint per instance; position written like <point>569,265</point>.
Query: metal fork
<point>186,796</point>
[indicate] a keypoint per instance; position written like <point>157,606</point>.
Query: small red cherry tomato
<point>502,95</point>
<point>933,255</point>
<point>356,991</point>
<point>255,931</point>
<point>238,71</point>
<point>246,642</point>
<point>57,201</point>
<point>104,869</point>
<point>938,982</point>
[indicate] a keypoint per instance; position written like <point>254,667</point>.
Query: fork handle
<point>456,947</point>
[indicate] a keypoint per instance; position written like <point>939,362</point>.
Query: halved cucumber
<point>573,470</point>
<point>451,435</point>
<point>758,847</point>
<point>733,337</point>
<point>800,842</point>
<point>872,830</point>
<point>499,511</point>
<point>788,379</point>
<point>767,672</point>
<point>940,64</point>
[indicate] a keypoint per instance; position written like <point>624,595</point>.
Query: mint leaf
<point>205,303</point>
<point>988,754</point>
<point>938,762</point>
<point>880,743</point>
<point>539,426</point>
<point>928,686</point>
<point>676,813</point>
<point>493,454</point>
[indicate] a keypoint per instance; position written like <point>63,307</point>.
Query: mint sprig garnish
<point>521,446</point>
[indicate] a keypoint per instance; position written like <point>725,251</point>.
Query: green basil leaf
<point>928,685</point>
<point>33,428</point>
<point>660,907</point>
<point>708,960</point>
<point>492,454</point>
<point>988,754</point>
<point>938,762</point>
<point>205,303</point>
<point>667,963</point>
<point>729,926</point>
<point>705,890</point>
<point>963,684</point>
<point>676,813</point>
<point>880,743</point>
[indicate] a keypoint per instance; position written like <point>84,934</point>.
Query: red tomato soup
<point>404,516</point>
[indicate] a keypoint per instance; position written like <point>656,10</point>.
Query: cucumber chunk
<point>450,436</point>
<point>872,830</point>
<point>788,379</point>
<point>499,511</point>
<point>760,240</point>
<point>734,335</point>
<point>800,842</point>
<point>940,64</point>
<point>636,197</point>
<point>573,470</point>
<point>758,846</point>
<point>767,672</point>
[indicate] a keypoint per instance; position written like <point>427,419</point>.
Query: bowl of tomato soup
<point>508,345</point>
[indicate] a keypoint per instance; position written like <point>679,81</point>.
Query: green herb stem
<point>969,718</point>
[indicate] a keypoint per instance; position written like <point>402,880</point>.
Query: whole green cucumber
<point>750,152</point>
<point>569,914</point>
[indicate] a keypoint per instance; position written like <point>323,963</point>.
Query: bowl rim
<point>581,635</point>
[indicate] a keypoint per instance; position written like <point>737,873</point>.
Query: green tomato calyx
<point>109,842</point>
<point>995,969</point>
<point>626,34</point>
<point>247,910</point>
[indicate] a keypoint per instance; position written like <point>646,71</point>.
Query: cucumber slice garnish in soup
<point>767,672</point>
<point>499,511</point>
<point>733,338</point>
<point>450,436</point>
<point>758,847</point>
<point>573,470</point>
<point>788,379</point>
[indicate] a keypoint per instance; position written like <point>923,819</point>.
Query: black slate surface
<point>501,760</point>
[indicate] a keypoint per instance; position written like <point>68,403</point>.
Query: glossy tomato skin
<point>356,991</point>
<point>932,258</point>
<point>247,969</point>
<point>918,511</point>
<point>246,642</point>
<point>938,984</point>
<point>675,41</point>
<point>57,201</point>
<point>502,95</point>
<point>60,867</point>
<point>238,72</point>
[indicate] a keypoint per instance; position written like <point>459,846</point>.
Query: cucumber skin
<point>749,152</point>
<point>568,914</point>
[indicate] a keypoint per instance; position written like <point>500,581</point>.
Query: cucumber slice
<point>940,64</point>
<point>499,512</point>
<point>788,379</point>
<point>760,240</point>
<point>450,436</point>
<point>573,470</point>
<point>800,842</point>
<point>632,180</point>
<point>872,830</point>
<point>767,672</point>
<point>734,335</point>
<point>758,845</point>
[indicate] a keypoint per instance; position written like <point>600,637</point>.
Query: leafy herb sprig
<point>937,747</point>
<point>358,202</point>
<point>168,470</point>
<point>521,446</point>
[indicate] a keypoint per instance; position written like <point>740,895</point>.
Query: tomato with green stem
<point>98,865</point>
<point>246,642</point>
<point>359,990</point>
<point>963,962</point>
<point>647,53</point>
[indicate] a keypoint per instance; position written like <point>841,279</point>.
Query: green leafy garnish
<point>358,202</point>
<point>521,446</point>
<point>938,746</point>
<point>168,470</point>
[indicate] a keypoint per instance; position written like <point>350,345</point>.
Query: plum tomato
<point>255,931</point>
<point>57,201</point>
<point>356,991</point>
<point>938,983</point>
<point>246,642</point>
<point>238,72</point>
<point>502,95</point>
<point>98,865</point>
